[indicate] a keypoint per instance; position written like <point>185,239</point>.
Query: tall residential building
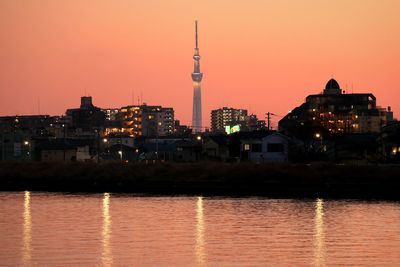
<point>146,120</point>
<point>237,118</point>
<point>223,117</point>
<point>335,112</point>
<point>87,116</point>
<point>220,118</point>
<point>196,77</point>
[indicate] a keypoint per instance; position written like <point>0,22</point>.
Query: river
<point>54,229</point>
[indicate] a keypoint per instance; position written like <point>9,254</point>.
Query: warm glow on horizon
<point>265,56</point>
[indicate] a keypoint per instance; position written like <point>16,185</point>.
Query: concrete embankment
<point>233,179</point>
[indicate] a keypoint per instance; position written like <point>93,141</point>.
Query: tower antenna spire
<point>197,38</point>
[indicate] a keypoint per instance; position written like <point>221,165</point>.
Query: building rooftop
<point>332,84</point>
<point>332,87</point>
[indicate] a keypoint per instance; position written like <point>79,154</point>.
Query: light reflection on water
<point>123,230</point>
<point>319,255</point>
<point>27,235</point>
<point>106,253</point>
<point>200,250</point>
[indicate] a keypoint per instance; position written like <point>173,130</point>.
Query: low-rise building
<point>216,147</point>
<point>16,146</point>
<point>268,147</point>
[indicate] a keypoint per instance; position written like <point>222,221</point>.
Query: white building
<point>271,148</point>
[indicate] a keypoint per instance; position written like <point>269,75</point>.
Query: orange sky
<point>262,55</point>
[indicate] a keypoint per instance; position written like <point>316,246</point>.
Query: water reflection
<point>27,239</point>
<point>200,250</point>
<point>106,256</point>
<point>45,229</point>
<point>319,236</point>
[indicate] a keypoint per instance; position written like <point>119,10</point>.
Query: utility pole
<point>98,144</point>
<point>120,143</point>
<point>2,145</point>
<point>157,141</point>
<point>64,144</point>
<point>269,114</point>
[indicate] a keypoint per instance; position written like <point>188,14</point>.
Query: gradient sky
<point>262,55</point>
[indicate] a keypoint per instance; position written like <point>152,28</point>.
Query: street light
<point>319,136</point>
<point>120,154</point>
<point>27,143</point>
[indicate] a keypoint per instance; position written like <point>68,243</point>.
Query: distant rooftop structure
<point>86,102</point>
<point>332,88</point>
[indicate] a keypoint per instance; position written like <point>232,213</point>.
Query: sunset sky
<point>262,55</point>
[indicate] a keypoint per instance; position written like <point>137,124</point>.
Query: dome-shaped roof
<point>332,84</point>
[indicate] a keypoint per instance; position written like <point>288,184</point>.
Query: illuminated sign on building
<point>232,129</point>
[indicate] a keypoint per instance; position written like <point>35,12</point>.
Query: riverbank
<point>244,179</point>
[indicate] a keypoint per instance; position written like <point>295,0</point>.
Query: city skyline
<point>115,150</point>
<point>261,56</point>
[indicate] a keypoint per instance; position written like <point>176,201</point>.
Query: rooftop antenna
<point>133,98</point>
<point>141,97</point>
<point>38,102</point>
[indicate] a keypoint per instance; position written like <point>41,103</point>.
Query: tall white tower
<point>196,77</point>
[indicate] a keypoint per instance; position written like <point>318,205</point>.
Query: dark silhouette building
<point>334,112</point>
<point>87,116</point>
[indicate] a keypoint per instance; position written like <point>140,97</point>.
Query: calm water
<point>45,229</point>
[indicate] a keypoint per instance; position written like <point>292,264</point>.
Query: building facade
<point>335,112</point>
<point>228,118</point>
<point>112,114</point>
<point>222,117</point>
<point>149,121</point>
<point>87,116</point>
